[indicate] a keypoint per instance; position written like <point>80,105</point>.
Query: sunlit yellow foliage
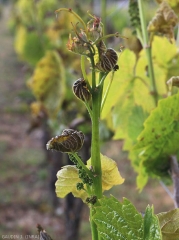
<point>66,183</point>
<point>68,178</point>
<point>110,173</point>
<point>47,82</point>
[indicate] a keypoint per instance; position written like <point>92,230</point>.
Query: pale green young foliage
<point>169,223</point>
<point>68,178</point>
<point>110,174</point>
<point>66,183</point>
<point>121,221</point>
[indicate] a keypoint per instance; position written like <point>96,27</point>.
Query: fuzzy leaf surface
<point>116,220</point>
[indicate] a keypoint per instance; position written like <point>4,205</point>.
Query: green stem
<point>177,39</point>
<point>102,77</point>
<point>83,67</point>
<point>95,158</point>
<point>95,154</point>
<point>93,73</point>
<point>83,165</point>
<point>89,109</point>
<point>147,47</point>
<point>108,36</point>
<point>107,91</point>
<point>94,230</point>
<point>95,148</point>
<point>74,13</point>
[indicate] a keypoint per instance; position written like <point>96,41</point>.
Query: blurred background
<point>33,49</point>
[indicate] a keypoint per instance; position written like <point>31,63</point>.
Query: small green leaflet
<point>151,225</point>
<point>121,221</point>
<point>169,223</point>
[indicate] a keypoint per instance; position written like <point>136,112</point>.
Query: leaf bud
<point>95,31</point>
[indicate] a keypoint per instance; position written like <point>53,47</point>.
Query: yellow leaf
<point>122,80</point>
<point>66,183</point>
<point>110,173</point>
<point>48,82</point>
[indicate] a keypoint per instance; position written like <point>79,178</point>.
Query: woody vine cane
<point>87,41</point>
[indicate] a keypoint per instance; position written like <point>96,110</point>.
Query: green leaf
<point>135,122</point>
<point>151,225</point>
<point>110,174</point>
<point>117,220</point>
<point>160,137</point>
<point>169,223</point>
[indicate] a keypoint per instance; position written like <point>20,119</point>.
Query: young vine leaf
<point>116,220</point>
<point>169,223</point>
<point>110,173</point>
<point>67,181</point>
<point>151,225</point>
<point>68,178</point>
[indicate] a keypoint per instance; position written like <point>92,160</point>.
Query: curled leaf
<point>110,173</point>
<point>80,90</point>
<point>164,21</point>
<point>69,141</point>
<point>67,181</point>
